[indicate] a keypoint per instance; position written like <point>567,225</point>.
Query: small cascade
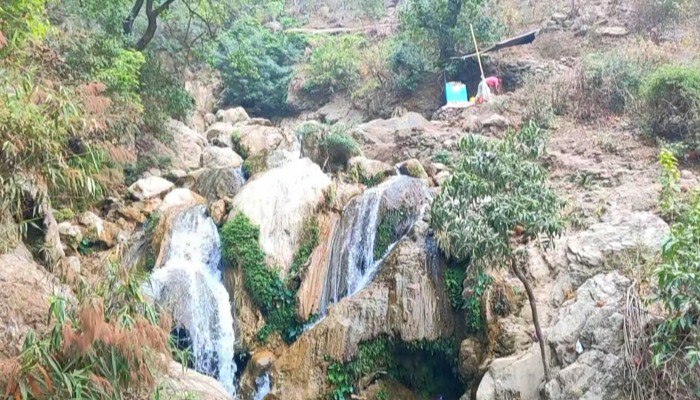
<point>262,386</point>
<point>353,261</point>
<point>189,286</point>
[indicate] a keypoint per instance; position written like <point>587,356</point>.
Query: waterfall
<point>262,386</point>
<point>352,263</point>
<point>189,286</point>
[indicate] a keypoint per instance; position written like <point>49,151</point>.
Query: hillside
<point>270,200</point>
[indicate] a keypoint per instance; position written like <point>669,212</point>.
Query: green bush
<point>671,104</point>
<point>257,65</point>
<point>163,95</point>
<point>23,20</point>
<point>677,337</point>
<point>338,147</point>
<point>410,63</point>
<point>268,291</point>
<point>334,63</point>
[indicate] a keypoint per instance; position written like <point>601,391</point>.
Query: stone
<point>220,134</point>
<point>592,321</point>
<point>187,145</point>
<point>180,197</point>
<point>97,230</point>
<point>396,139</point>
<point>218,211</point>
<point>559,17</point>
<point>148,188</point>
<point>365,171</point>
<point>495,121</point>
<point>279,202</point>
<point>214,184</point>
<point>220,157</point>
<point>139,211</point>
<point>613,31</point>
<point>70,234</point>
<point>262,360</point>
<point>232,115</point>
<point>413,168</point>
<point>270,142</point>
<point>442,177</point>
<point>190,382</point>
<point>209,119</point>
<point>25,296</point>
<point>70,269</point>
<point>404,301</point>
<point>513,377</point>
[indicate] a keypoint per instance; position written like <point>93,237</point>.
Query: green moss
<point>426,367</point>
<point>255,164</point>
<point>309,241</point>
<point>338,147</point>
<point>268,291</point>
<point>387,231</point>
<point>238,146</point>
<point>64,214</point>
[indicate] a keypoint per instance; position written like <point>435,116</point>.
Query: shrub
<point>671,104</point>
<point>337,147</point>
<point>334,63</point>
<point>109,346</point>
<point>257,65</point>
<point>163,95</point>
<point>23,20</point>
<point>410,64</point>
<point>677,337</point>
<point>652,17</point>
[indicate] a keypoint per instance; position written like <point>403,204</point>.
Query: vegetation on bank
<point>428,367</point>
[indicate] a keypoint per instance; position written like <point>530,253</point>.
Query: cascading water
<point>353,263</point>
<point>262,386</point>
<point>189,286</point>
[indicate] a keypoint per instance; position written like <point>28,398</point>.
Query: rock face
<point>219,134</point>
<point>150,187</point>
<point>403,301</point>
<point>396,139</point>
<point>587,339</point>
<point>220,157</point>
<point>180,197</point>
<point>279,201</point>
<point>365,170</point>
<point>25,291</point>
<point>514,377</point>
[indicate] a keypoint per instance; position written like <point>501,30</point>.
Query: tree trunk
<point>152,15</point>
<point>535,316</point>
<point>129,21</point>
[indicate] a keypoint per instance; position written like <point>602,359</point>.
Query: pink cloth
<point>493,82</point>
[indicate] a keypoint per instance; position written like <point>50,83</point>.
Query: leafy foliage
<point>671,103</point>
<point>22,21</point>
<point>429,367</point>
<point>309,242</point>
<point>678,335</point>
<point>268,291</point>
<point>497,187</point>
<point>389,230</point>
<point>257,65</point>
<point>107,347</point>
<point>338,147</point>
<point>163,95</point>
<point>334,63</point>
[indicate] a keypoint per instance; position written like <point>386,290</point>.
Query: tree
<point>497,201</point>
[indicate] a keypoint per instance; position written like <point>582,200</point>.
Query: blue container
<point>456,92</point>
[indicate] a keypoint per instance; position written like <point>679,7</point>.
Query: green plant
<point>309,241</point>
<point>671,104</point>
<point>454,281</point>
<point>337,147</point>
<point>108,346</point>
<point>163,95</point>
<point>257,65</point>
<point>23,21</point>
<point>497,197</point>
<point>388,231</point>
<point>477,284</point>
<point>268,291</point>
<point>678,335</point>
<point>410,63</point>
<point>652,17</point>
<point>334,63</point>
<point>443,157</point>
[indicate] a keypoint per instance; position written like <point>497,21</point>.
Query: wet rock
<point>148,188</point>
<point>279,201</point>
<point>232,115</point>
<point>220,133</point>
<point>220,157</point>
<point>366,171</point>
<point>413,168</point>
<point>25,292</point>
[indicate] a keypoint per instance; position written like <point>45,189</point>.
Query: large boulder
<point>279,202</point>
<point>587,340</point>
<point>232,115</point>
<point>220,157</point>
<point>369,172</point>
<point>148,188</point>
<point>220,134</point>
<point>187,145</point>
<point>190,382</point>
<point>214,184</point>
<point>25,296</point>
<point>513,377</point>
<point>405,301</point>
<point>409,136</point>
<point>180,198</point>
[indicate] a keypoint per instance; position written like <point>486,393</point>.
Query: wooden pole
<point>478,56</point>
